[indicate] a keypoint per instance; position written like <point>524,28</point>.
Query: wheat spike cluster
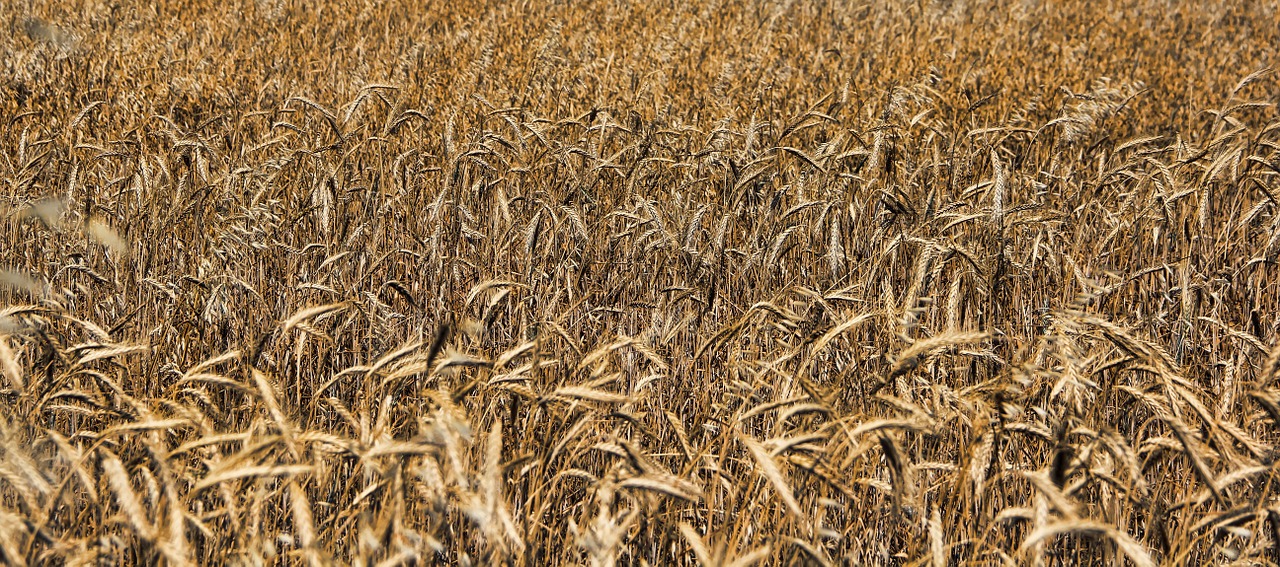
<point>714,282</point>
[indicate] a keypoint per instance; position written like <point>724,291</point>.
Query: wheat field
<point>716,282</point>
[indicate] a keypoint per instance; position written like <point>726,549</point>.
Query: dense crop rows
<point>694,283</point>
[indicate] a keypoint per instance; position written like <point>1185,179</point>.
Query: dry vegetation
<point>667,283</point>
